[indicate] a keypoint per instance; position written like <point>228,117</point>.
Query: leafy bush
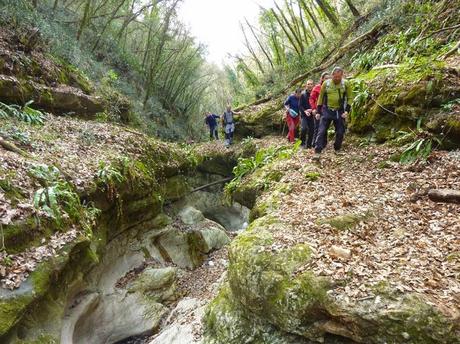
<point>23,113</point>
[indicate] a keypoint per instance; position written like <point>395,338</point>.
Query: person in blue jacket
<point>211,122</point>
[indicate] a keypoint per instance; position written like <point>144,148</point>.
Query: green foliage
<point>263,157</point>
<point>13,133</point>
<point>362,95</point>
<point>420,146</point>
<point>22,113</point>
<point>56,198</point>
<point>448,107</point>
<point>108,176</point>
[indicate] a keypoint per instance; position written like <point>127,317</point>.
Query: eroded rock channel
<point>137,287</point>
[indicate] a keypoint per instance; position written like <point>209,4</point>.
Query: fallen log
<point>444,195</point>
<point>212,184</point>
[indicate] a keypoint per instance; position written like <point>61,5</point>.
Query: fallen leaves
<point>15,268</point>
<point>404,246</point>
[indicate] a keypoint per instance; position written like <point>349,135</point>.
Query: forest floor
<point>371,224</point>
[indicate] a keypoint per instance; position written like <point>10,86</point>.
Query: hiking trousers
<point>213,133</point>
<point>229,130</point>
<point>328,117</point>
<point>307,130</point>
<point>292,124</point>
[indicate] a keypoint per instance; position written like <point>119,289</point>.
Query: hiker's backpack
<point>342,98</point>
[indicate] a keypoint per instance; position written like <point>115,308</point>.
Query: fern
<point>419,146</point>
<point>24,113</point>
<point>56,198</point>
<point>263,157</point>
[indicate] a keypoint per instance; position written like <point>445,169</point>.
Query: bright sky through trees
<point>216,23</point>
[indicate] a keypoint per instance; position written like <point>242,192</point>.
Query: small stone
<point>405,335</point>
<point>340,252</point>
<point>211,263</point>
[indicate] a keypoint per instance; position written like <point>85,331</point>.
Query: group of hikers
<point>316,107</point>
<point>228,124</point>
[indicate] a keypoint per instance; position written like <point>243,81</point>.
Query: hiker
<point>211,122</point>
<point>333,106</point>
<point>307,122</point>
<point>314,95</point>
<point>292,105</point>
<point>229,125</point>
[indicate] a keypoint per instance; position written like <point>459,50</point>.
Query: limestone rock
<point>60,99</point>
<point>340,252</point>
<point>183,325</point>
<point>158,283</point>
<point>266,284</point>
<point>190,215</point>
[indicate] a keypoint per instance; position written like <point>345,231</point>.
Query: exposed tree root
<point>13,148</point>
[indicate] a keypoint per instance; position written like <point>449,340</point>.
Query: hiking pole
<point>284,126</point>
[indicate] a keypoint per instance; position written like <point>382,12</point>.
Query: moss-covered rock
<point>346,221</point>
<point>226,321</point>
<point>56,99</point>
<point>402,95</point>
<point>261,120</point>
<point>269,286</point>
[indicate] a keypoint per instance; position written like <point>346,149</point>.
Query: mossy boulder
<point>254,184</point>
<point>261,120</point>
<point>402,95</point>
<point>346,221</point>
<point>57,99</point>
<point>227,321</point>
<point>159,284</point>
<point>270,284</point>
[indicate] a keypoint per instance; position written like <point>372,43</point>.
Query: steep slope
<point>349,251</point>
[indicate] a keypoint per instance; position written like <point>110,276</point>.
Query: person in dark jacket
<point>292,105</point>
<point>333,106</point>
<point>211,122</point>
<point>307,122</point>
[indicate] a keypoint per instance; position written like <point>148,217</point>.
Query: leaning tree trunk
<point>352,8</point>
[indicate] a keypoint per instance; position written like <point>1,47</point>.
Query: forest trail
<point>370,222</point>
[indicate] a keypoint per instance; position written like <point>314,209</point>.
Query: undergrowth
<point>58,200</point>
<point>22,113</point>
<point>263,157</point>
<point>419,146</point>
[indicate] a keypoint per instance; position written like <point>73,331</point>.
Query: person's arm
<point>216,116</point>
<point>287,103</point>
<point>314,97</point>
<point>349,94</point>
<point>319,103</point>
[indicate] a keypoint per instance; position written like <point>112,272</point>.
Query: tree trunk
<point>352,8</point>
<point>328,11</point>
<point>84,20</point>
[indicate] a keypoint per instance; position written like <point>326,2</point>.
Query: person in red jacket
<point>314,95</point>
